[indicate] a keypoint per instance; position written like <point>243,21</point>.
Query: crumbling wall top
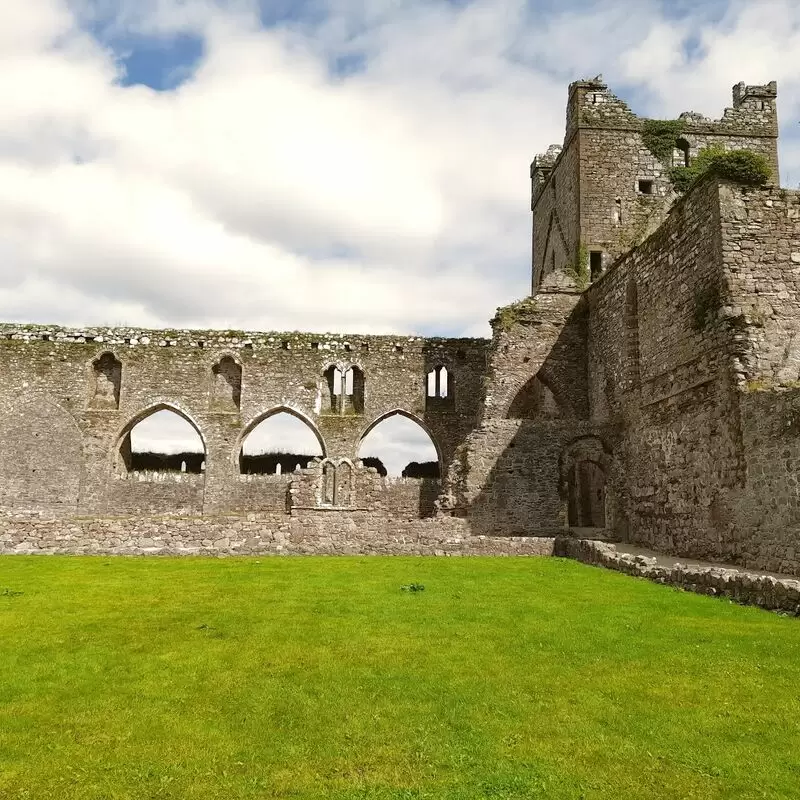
<point>753,113</point>
<point>228,339</point>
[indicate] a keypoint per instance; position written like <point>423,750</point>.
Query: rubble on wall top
<point>547,159</point>
<point>590,83</point>
<point>742,90</point>
<point>230,339</point>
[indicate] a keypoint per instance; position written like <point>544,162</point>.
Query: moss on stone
<point>580,270</point>
<point>523,312</point>
<point>758,385</point>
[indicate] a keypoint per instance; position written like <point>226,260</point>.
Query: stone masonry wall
<point>507,475</point>
<point>766,591</point>
<point>605,151</point>
<point>63,425</point>
<point>321,532</point>
<point>660,381</point>
<point>556,220</point>
<point>700,379</point>
<point>760,305</point>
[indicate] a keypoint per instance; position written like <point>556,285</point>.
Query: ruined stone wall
<point>321,532</point>
<point>692,368</point>
<point>660,381</point>
<point>760,304</point>
<point>765,591</point>
<point>64,422</point>
<point>556,208</point>
<point>507,475</point>
<point>623,191</point>
<point>614,157</point>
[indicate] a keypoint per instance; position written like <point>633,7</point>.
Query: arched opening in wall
<point>345,390</point>
<point>439,388</point>
<point>227,384</point>
<point>336,488</point>
<point>681,153</point>
<point>354,391</point>
<point>398,446</point>
<point>107,376</point>
<point>632,334</point>
<point>535,400</point>
<point>279,444</point>
<point>584,466</point>
<point>163,440</point>
<point>587,495</point>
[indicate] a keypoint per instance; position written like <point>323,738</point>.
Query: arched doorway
<point>587,495</point>
<point>585,463</point>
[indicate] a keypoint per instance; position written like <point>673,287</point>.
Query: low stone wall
<point>324,532</point>
<point>774,594</point>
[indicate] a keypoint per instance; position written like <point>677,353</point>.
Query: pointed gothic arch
<point>106,381</point>
<point>535,399</point>
<point>130,456</point>
<point>420,423</point>
<point>278,452</point>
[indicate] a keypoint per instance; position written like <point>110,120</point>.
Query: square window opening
<point>646,187</point>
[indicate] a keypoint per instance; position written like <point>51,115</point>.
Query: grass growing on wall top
<point>660,136</point>
<point>741,166</point>
<point>522,312</point>
<point>320,677</point>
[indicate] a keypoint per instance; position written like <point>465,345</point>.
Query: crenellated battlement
<point>610,184</point>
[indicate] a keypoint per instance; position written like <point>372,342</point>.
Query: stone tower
<point>609,186</point>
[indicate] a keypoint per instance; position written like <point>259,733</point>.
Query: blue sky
<point>343,165</point>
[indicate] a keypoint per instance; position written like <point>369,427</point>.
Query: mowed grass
<point>319,677</point>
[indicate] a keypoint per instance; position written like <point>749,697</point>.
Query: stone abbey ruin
<point>648,391</point>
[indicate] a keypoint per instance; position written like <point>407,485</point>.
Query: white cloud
<point>282,433</point>
<point>397,441</point>
<point>267,193</point>
<point>165,432</point>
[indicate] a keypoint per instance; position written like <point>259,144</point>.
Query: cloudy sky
<point>356,165</point>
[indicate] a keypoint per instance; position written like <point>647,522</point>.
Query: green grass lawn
<point>319,677</point>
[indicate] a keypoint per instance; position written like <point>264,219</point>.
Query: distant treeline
<point>264,464</point>
<point>172,462</point>
<point>267,463</point>
<point>426,469</point>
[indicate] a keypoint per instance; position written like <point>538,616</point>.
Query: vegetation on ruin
<point>319,677</point>
<point>523,312</point>
<point>659,137</point>
<point>741,166</point>
<point>580,271</point>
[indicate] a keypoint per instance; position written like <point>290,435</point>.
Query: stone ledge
<point>747,588</point>
<point>284,535</point>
